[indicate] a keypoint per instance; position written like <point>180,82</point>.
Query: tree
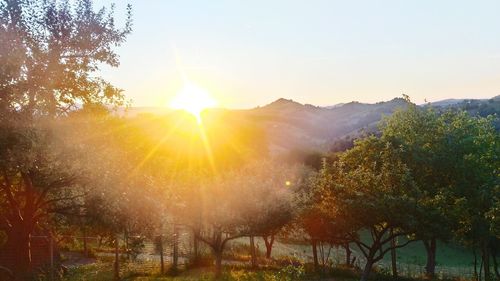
<point>419,136</point>
<point>249,200</point>
<point>39,178</point>
<point>50,51</point>
<point>221,218</point>
<point>269,192</point>
<point>450,155</point>
<point>49,54</point>
<point>125,189</point>
<point>474,145</point>
<point>371,179</point>
<point>314,222</point>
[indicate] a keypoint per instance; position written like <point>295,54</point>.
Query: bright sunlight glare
<point>193,99</point>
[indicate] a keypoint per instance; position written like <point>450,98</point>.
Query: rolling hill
<point>290,125</point>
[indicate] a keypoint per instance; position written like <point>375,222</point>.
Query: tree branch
<point>48,202</point>
<point>393,236</point>
<point>360,246</point>
<point>206,241</point>
<point>382,254</point>
<point>10,197</point>
<point>232,238</point>
<point>55,184</point>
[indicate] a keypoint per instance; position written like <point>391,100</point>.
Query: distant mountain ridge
<point>290,125</point>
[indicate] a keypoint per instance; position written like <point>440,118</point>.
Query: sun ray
<point>208,148</point>
<point>156,147</point>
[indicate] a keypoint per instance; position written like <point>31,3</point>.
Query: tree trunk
<point>475,264</point>
<point>322,253</point>
<point>162,262</point>
<point>430,247</point>
<point>486,262</point>
<point>269,241</point>
<point>117,261</point>
<point>16,253</point>
<point>253,256</point>
<point>175,250</point>
<point>315,253</point>
<point>481,270</point>
<point>85,250</point>
<point>495,265</point>
<point>393,256</point>
<point>195,248</point>
<point>347,254</point>
<point>218,263</point>
<point>367,270</point>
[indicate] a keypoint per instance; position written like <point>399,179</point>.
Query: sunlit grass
<point>147,271</point>
<point>96,271</point>
<point>102,271</point>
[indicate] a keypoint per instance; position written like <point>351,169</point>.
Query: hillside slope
<point>289,125</point>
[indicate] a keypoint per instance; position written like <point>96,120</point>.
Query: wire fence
<point>51,255</point>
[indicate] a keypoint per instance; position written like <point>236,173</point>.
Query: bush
<point>288,260</point>
<point>240,252</point>
<point>292,273</point>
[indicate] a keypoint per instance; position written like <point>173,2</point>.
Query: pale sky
<point>249,53</point>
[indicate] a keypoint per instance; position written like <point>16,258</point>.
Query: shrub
<point>288,260</point>
<point>240,252</point>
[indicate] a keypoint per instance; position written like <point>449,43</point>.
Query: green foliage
<point>421,139</point>
<point>442,169</point>
<point>50,55</point>
<point>51,52</point>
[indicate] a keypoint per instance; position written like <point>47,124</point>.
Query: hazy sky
<point>249,53</point>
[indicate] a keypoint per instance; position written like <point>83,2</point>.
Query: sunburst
<point>193,99</point>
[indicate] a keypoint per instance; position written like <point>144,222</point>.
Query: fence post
<point>253,258</point>
<point>51,245</point>
<point>85,250</point>
<point>116,265</point>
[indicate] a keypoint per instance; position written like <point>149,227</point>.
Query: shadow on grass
<point>103,271</point>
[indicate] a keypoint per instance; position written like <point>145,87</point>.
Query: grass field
<point>103,271</point>
<point>452,261</point>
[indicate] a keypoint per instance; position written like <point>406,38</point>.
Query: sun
<point>193,99</point>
